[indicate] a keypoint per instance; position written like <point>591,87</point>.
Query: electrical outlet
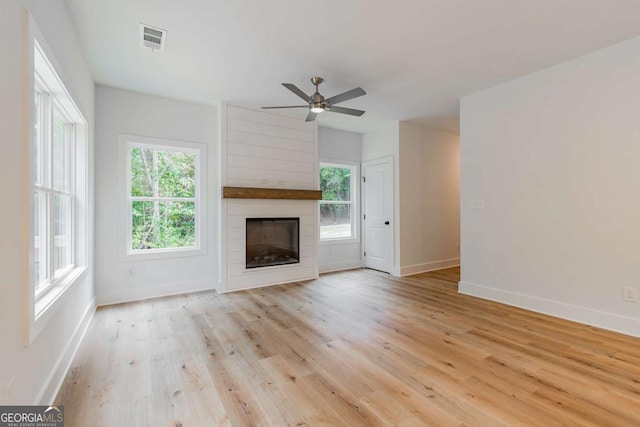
<point>630,294</point>
<point>131,272</point>
<point>477,203</point>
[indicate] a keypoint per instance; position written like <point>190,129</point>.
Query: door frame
<point>363,239</point>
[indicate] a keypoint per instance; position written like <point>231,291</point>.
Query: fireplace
<point>272,241</point>
<point>268,225</point>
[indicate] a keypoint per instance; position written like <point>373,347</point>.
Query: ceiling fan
<point>317,103</point>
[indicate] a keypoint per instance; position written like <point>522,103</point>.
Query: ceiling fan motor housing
<point>315,98</point>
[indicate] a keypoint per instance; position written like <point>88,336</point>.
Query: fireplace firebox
<point>272,241</point>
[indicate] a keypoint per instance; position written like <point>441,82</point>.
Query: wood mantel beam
<point>269,193</point>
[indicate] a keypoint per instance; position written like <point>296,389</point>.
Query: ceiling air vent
<point>152,38</point>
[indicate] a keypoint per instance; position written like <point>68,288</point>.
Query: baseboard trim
<point>340,266</point>
<point>429,266</point>
<point>601,319</point>
<point>132,294</point>
<point>52,386</point>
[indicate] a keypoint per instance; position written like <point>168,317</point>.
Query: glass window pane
<point>141,179</point>
<point>335,183</point>
<point>162,225</point>
<point>335,221</point>
<point>61,234</point>
<point>178,174</point>
<point>37,139</point>
<point>162,173</point>
<point>60,149</point>
<point>40,243</point>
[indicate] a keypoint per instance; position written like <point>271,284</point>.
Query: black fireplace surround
<point>272,241</point>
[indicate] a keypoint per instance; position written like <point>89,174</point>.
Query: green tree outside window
<point>335,207</point>
<point>163,198</point>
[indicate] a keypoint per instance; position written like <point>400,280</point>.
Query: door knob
<point>386,223</point>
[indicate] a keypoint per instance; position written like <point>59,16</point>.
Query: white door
<point>378,214</point>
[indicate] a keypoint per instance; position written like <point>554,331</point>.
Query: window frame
<point>46,186</point>
<point>44,302</point>
<point>127,143</point>
<point>354,190</point>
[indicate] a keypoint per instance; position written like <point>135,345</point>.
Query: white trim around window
<point>127,143</point>
<point>354,210</point>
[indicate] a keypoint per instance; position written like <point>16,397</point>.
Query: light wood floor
<point>351,349</point>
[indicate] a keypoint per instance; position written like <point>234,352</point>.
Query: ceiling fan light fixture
<point>317,108</point>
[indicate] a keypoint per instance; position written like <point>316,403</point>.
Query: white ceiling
<point>415,58</point>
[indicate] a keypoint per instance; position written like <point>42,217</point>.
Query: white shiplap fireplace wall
<point>265,150</point>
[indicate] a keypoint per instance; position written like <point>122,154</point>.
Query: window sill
<point>339,241</point>
<point>164,254</point>
<point>50,303</point>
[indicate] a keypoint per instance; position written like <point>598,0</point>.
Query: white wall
<point>555,157</point>
<point>124,112</point>
<point>35,370</point>
<point>381,142</point>
<point>429,199</point>
<point>339,146</point>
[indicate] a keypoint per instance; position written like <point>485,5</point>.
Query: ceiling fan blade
<point>293,88</point>
<point>311,116</point>
<point>345,96</point>
<point>286,106</point>
<point>349,111</point>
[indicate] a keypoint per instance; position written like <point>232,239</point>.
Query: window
<point>163,197</point>
<point>337,208</point>
<point>58,198</point>
<point>54,180</point>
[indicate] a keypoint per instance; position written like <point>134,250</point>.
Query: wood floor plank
<point>354,348</point>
